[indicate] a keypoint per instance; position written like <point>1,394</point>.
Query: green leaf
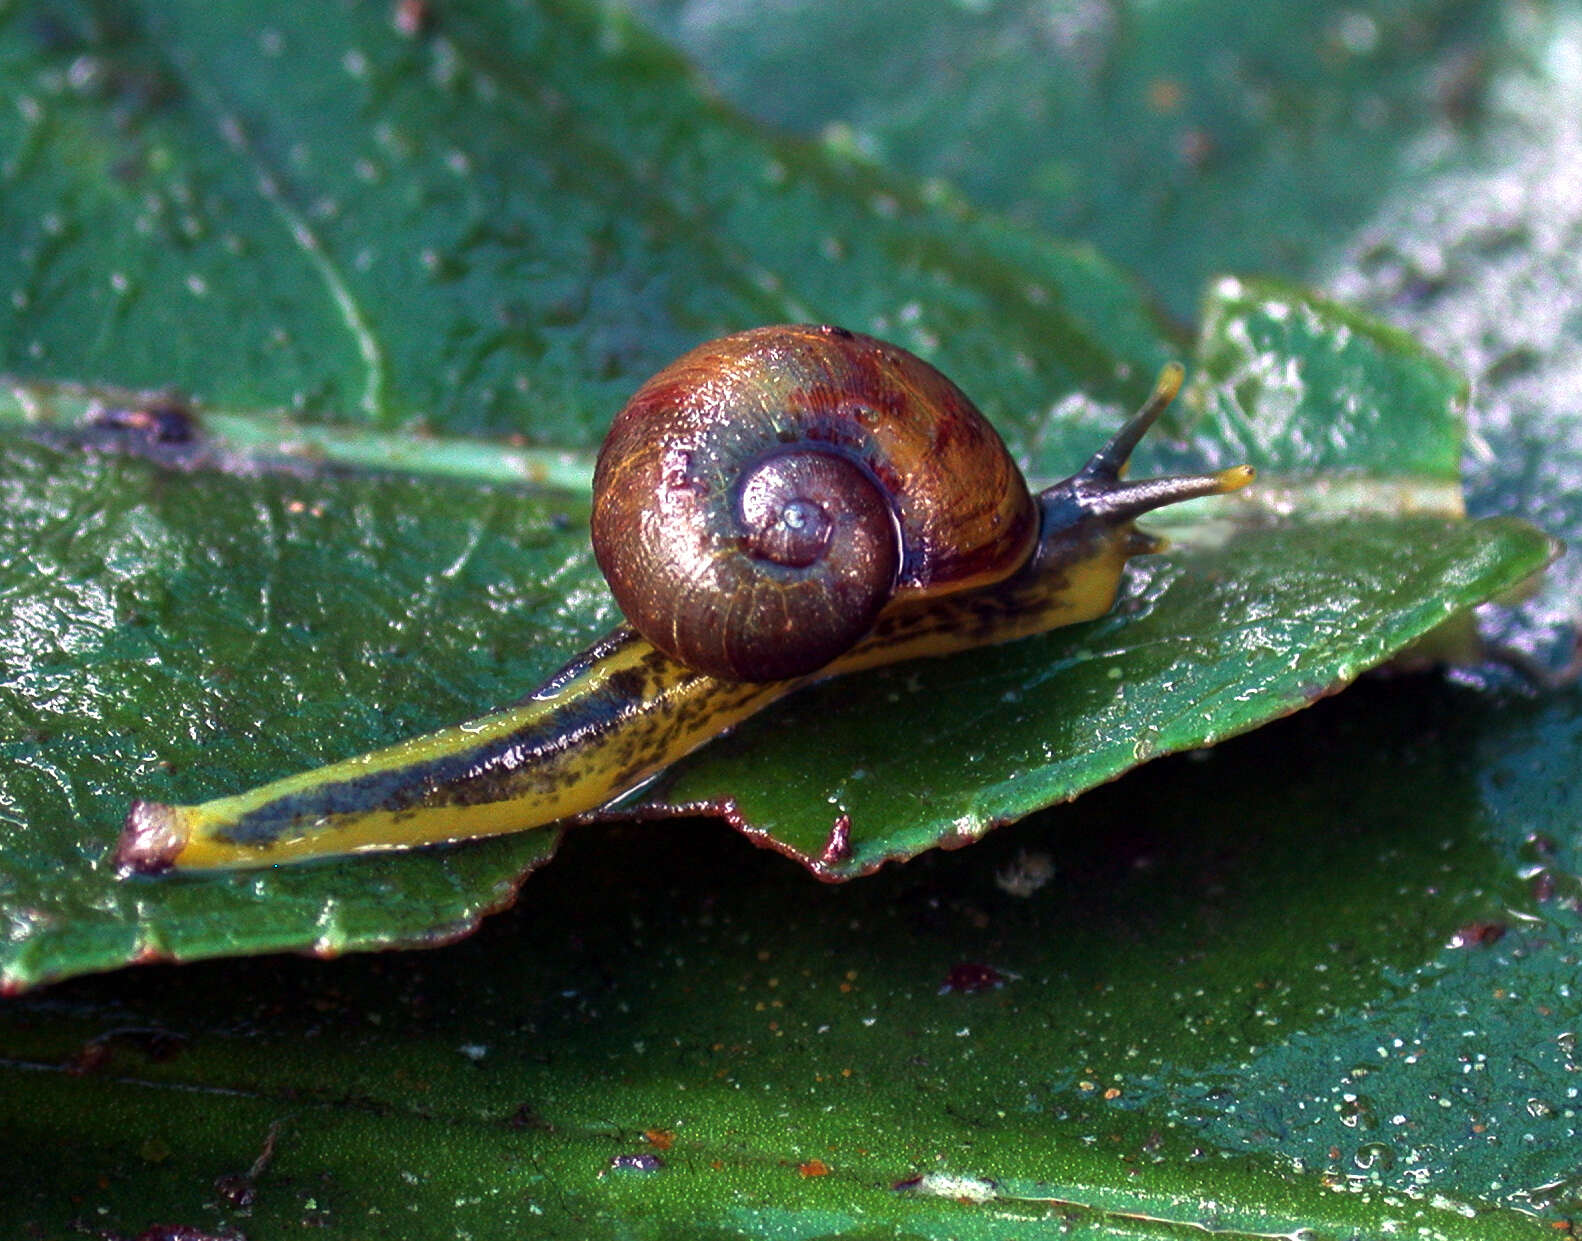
<point>1209,646</point>
<point>1245,629</point>
<point>384,606</point>
<point>1187,139</point>
<point>327,219</point>
<point>1297,384</point>
<point>1232,1007</point>
<point>210,631</point>
<point>499,226</point>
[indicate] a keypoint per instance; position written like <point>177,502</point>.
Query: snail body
<point>776,507</point>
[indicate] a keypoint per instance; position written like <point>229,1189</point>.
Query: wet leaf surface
<point>1233,1002</point>
<point>1212,645</point>
<point>1319,977</point>
<point>182,636</point>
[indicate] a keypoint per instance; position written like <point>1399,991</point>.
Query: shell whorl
<point>759,502</point>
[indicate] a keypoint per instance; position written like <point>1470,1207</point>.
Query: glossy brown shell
<point>937,504</point>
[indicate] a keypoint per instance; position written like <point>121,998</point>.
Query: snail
<point>776,507</point>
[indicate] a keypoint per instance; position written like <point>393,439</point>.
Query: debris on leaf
<point>1026,873</point>
<point>971,977</point>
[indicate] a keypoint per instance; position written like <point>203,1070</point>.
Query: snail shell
<point>763,499</point>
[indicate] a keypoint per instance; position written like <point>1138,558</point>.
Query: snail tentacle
<point>1109,463</point>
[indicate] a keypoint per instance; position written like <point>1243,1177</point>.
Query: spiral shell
<point>764,498</point>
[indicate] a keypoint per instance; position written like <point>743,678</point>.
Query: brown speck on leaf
<point>1196,147</point>
<point>95,1055</point>
<point>237,1190</point>
<point>157,421</point>
<point>412,17</point>
<point>1165,94</point>
<point>89,1058</point>
<point>1478,935</point>
<point>526,1117</point>
<point>1026,873</point>
<point>240,1189</point>
<point>971,977</point>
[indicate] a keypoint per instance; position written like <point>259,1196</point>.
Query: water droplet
<point>1374,1157</point>
<point>1356,1112</point>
